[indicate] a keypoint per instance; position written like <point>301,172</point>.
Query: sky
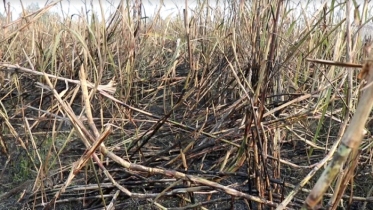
<point>74,6</point>
<point>169,6</point>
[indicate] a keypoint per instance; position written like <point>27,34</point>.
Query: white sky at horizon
<point>75,6</point>
<point>69,7</point>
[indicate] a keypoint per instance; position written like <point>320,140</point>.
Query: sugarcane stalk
<point>350,141</point>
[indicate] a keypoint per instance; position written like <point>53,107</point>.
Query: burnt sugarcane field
<point>199,104</point>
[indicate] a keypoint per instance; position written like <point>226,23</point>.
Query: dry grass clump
<point>234,105</point>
